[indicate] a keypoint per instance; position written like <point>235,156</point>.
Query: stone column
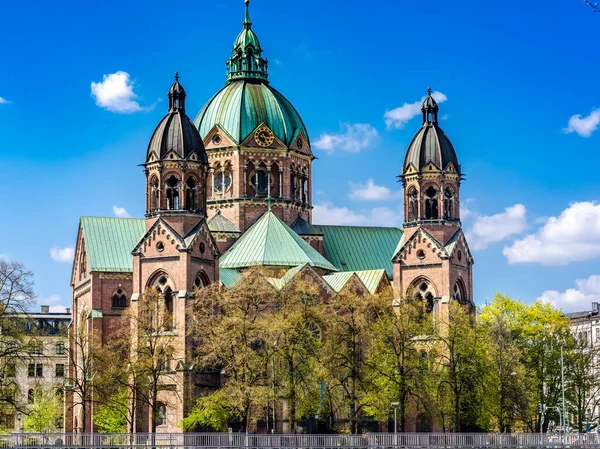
<point>268,181</point>
<point>280,182</point>
<point>212,184</point>
<point>245,180</point>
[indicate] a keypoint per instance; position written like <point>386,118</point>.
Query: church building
<point>232,189</point>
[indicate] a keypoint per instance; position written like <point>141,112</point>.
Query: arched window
<point>164,287</point>
<point>201,280</point>
<point>221,181</point>
<point>449,203</point>
<point>119,299</point>
<point>191,194</point>
<point>172,193</point>
<point>459,293</point>
<point>260,180</point>
<point>431,203</point>
<point>413,204</point>
<point>161,415</point>
<point>304,188</point>
<point>169,308</point>
<point>82,265</point>
<point>424,294</point>
<point>153,194</point>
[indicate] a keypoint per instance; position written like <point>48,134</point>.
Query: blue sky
<point>518,79</point>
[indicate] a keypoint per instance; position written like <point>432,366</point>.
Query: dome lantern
<point>430,108</point>
<point>177,96</point>
<point>246,61</point>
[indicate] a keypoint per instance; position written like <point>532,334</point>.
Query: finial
<point>247,21</point>
<point>176,76</point>
<point>429,91</point>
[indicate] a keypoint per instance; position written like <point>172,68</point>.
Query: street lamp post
<point>395,405</point>
<point>19,417</point>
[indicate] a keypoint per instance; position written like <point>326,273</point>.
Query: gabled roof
<point>270,242</point>
<point>370,278</point>
<point>109,242</point>
<point>219,223</point>
<point>303,227</point>
<point>358,248</point>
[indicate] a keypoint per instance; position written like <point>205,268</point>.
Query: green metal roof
<point>303,227</point>
<point>219,223</point>
<point>109,242</point>
<point>358,248</point>
<point>370,278</point>
<point>271,242</point>
<point>241,106</point>
<point>229,277</point>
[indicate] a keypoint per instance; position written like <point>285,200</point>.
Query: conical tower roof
<point>271,242</point>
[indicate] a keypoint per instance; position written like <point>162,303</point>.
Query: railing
<point>300,441</point>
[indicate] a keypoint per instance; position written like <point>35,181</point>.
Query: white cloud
<point>465,209</point>
<point>488,229</point>
<point>327,214</point>
<point>584,126</point>
<point>62,255</point>
<point>369,192</point>
<point>352,138</point>
<point>572,236</point>
<point>120,212</point>
<point>115,93</point>
<point>400,116</point>
<point>4,101</point>
<point>55,302</point>
<point>575,299</point>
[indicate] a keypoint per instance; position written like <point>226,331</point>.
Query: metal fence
<point>293,441</point>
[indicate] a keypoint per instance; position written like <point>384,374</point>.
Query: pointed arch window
<point>119,299</point>
<point>413,204</point>
<point>191,194</point>
<point>201,280</point>
<point>449,211</point>
<point>153,193</point>
<point>459,293</point>
<point>172,193</point>
<point>431,203</point>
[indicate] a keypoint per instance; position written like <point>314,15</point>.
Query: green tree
<point>45,414</point>
<point>211,413</point>
<point>296,327</point>
<point>350,316</point>
<point>507,391</point>
<point>398,362</point>
<point>232,332</point>
<point>111,415</point>
<point>462,371</point>
<point>16,296</point>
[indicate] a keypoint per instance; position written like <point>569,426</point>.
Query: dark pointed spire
<point>177,96</point>
<point>430,108</point>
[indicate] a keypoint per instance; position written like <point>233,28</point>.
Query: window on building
<point>161,416</point>
<point>598,334</point>
<point>60,347</point>
<point>431,203</point>
<point>31,370</point>
<point>172,193</point>
<point>449,203</point>
<point>260,180</point>
<point>413,204</point>
<point>11,370</point>
<point>60,370</point>
<point>119,299</point>
<point>221,181</point>
<point>36,347</point>
<point>191,194</point>
<point>35,370</point>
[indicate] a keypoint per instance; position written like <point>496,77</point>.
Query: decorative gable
<point>263,137</point>
<point>421,246</point>
<point>458,249</point>
<point>158,239</point>
<point>300,143</point>
<point>218,138</point>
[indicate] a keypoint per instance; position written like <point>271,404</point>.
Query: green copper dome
<point>243,105</point>
<point>247,100</point>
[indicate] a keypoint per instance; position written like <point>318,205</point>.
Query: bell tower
<point>177,254</point>
<point>434,261</point>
